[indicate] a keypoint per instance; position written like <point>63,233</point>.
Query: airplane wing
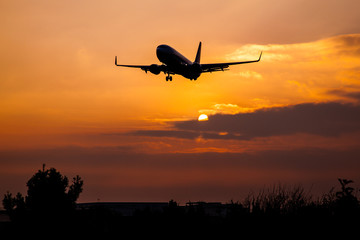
<point>214,67</point>
<point>142,67</point>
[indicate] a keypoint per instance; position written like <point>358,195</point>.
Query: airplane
<point>175,63</point>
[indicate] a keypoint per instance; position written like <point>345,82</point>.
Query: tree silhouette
<point>49,196</point>
<point>47,192</point>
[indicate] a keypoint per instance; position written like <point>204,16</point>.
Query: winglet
<point>116,60</point>
<point>197,59</point>
<point>260,56</point>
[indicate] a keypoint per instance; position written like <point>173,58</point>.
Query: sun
<point>203,117</point>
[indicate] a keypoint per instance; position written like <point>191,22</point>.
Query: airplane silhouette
<point>175,63</point>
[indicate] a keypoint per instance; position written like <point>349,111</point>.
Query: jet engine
<point>155,69</point>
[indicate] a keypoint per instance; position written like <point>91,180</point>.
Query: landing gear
<point>169,78</point>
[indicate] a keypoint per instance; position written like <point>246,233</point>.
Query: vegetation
<point>295,201</point>
<point>51,204</point>
<point>49,201</point>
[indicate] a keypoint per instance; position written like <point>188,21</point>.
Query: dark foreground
<point>279,211</point>
<point>193,220</point>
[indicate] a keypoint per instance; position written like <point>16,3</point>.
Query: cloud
<point>249,74</point>
<point>346,94</point>
<point>297,72</point>
<point>223,108</point>
<point>350,42</point>
<point>338,46</point>
<point>324,119</point>
<point>166,133</point>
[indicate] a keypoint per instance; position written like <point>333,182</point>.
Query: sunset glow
<point>293,117</point>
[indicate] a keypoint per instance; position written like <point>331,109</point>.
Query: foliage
<point>48,196</point>
<point>278,200</point>
<point>346,202</point>
<point>277,209</point>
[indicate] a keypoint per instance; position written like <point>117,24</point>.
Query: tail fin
<point>197,59</point>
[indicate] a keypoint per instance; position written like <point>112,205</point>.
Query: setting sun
<point>203,117</point>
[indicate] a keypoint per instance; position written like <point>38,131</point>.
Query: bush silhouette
<point>346,201</point>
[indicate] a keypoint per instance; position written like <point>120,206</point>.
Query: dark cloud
<point>183,134</point>
<point>349,40</point>
<point>346,45</point>
<point>351,95</point>
<point>166,133</point>
<point>323,119</point>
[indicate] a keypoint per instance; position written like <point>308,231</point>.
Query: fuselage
<point>177,63</point>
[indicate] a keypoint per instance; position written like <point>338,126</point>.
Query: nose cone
<point>162,48</point>
<point>161,52</point>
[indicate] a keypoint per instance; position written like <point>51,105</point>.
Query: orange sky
<point>62,98</point>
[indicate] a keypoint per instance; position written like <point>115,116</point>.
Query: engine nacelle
<point>155,69</point>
